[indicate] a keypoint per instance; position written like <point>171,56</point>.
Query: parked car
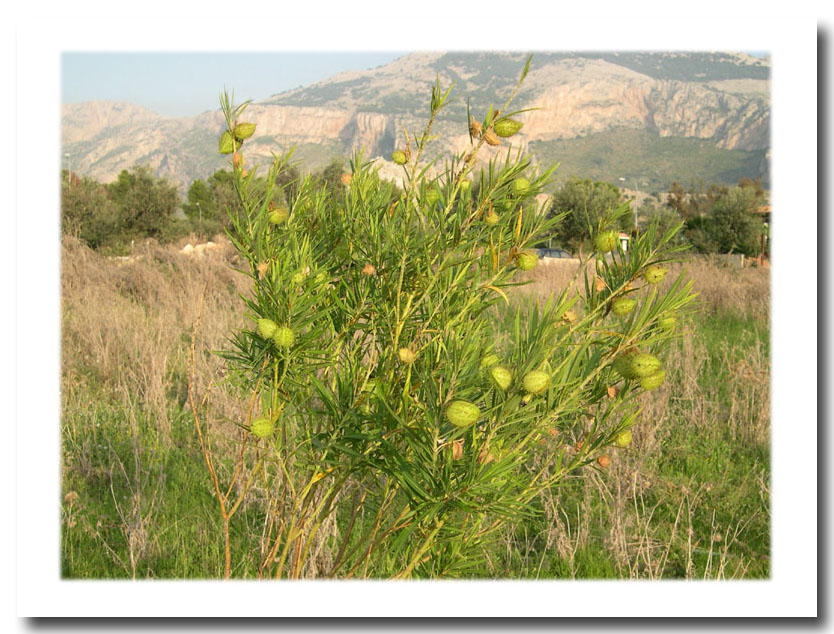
<point>553,253</point>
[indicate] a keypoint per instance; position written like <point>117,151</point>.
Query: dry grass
<point>127,326</point>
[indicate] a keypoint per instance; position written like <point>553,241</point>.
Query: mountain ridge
<point>725,104</point>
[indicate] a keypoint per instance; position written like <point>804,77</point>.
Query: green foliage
<point>736,228</point>
<point>135,205</point>
<point>721,219</point>
<point>359,272</point>
<point>86,210</point>
<point>646,160</point>
<point>583,204</point>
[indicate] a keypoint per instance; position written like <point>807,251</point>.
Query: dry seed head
<point>491,138</point>
<point>474,128</point>
<point>262,269</point>
<point>457,449</point>
<point>569,316</point>
<point>406,355</point>
<point>237,159</point>
<point>346,178</point>
<point>604,461</point>
<point>485,457</point>
<point>369,269</point>
<point>599,284</point>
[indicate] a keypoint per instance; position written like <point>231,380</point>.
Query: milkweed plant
<point>404,406</point>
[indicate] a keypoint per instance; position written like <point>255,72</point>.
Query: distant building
<point>624,238</point>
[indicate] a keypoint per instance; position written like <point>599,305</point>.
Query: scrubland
<point>690,498</point>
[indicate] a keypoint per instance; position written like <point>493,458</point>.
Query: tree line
<point>717,218</point>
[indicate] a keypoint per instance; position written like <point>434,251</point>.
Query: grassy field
<point>689,499</point>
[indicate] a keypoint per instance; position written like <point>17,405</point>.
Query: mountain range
<point>640,118</point>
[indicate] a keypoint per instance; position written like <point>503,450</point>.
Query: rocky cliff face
<point>571,97</point>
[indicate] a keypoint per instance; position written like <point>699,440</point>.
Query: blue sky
<point>186,84</point>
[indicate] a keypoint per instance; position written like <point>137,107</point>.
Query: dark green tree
<point>86,210</point>
<point>586,202</point>
<point>146,204</point>
<point>735,227</point>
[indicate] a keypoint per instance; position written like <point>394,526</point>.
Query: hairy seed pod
<point>406,355</point>
<point>527,260</point>
<point>507,127</point>
<point>226,144</point>
<point>283,337</point>
<point>465,185</point>
<point>399,157</point>
<point>654,274</point>
<point>653,381</point>
<point>278,215</point>
<point>623,439</point>
<point>623,306</point>
<point>521,186</point>
<point>462,413</point>
<point>535,382</point>
<point>432,197</point>
<point>622,365</point>
<point>643,365</point>
<point>267,328</point>
<point>607,241</point>
<point>491,218</point>
<point>501,376</point>
<point>262,427</point>
<point>667,322</point>
<point>488,361</point>
<point>244,131</point>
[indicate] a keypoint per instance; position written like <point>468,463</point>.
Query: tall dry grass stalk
<point>127,323</point>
